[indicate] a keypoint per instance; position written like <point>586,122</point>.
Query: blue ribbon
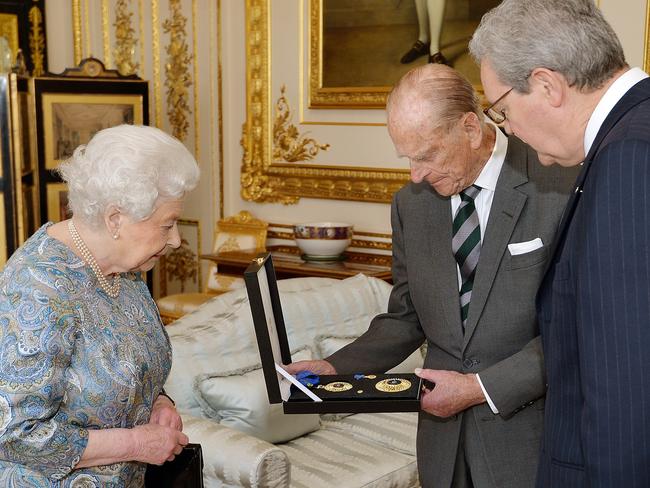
<point>308,378</point>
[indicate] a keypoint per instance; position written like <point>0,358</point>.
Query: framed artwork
<point>268,178</point>
<point>57,202</point>
<point>376,38</point>
<point>180,271</point>
<point>72,107</point>
<point>70,120</point>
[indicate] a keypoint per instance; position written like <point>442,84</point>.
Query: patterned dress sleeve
<point>38,328</point>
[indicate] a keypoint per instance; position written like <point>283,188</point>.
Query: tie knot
<point>470,192</point>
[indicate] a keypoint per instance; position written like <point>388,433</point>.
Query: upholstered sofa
<point>219,389</point>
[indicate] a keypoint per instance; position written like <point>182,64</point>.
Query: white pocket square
<point>525,247</point>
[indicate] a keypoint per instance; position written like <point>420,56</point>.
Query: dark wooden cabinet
<point>18,175</point>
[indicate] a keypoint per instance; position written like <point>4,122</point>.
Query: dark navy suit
<point>594,314</point>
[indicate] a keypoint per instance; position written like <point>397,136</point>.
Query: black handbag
<point>185,471</point>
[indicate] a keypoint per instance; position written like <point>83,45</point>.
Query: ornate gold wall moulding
<point>124,39</point>
<point>178,77</point>
<point>76,28</point>
<point>245,218</point>
<point>106,38</point>
<point>265,181</point>
<point>36,40</point>
<point>288,144</point>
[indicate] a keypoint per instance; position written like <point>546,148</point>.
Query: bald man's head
<point>429,97</point>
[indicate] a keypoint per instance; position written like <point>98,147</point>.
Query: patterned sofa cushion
<point>238,399</point>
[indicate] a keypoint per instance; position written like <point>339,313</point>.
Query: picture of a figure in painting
<point>430,16</point>
<point>375,42</point>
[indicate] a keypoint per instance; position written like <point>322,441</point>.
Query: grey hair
<point>570,37</point>
<point>444,93</point>
<point>130,166</point>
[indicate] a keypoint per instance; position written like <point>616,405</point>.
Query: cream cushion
<point>239,400</point>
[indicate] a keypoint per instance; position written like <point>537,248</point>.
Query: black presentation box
<point>339,393</point>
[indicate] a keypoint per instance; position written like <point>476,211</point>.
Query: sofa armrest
<point>234,458</point>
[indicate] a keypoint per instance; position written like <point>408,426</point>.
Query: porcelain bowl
<point>323,240</point>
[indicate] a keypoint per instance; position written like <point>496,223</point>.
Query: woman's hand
<point>164,413</point>
<point>149,443</point>
<point>155,444</point>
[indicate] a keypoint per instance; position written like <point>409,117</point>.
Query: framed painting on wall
<point>70,109</point>
<point>378,39</point>
<point>72,119</point>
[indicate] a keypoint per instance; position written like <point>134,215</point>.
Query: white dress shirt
<point>487,180</point>
<point>614,93</point>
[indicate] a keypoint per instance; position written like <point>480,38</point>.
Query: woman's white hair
<point>130,166</point>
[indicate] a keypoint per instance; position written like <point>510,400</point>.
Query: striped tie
<point>466,245</point>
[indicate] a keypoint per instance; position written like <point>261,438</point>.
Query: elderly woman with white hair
<point>83,353</point>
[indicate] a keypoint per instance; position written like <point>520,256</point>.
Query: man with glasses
<point>470,242</point>
<point>572,96</point>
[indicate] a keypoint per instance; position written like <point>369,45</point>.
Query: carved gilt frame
<point>346,97</point>
<point>266,181</point>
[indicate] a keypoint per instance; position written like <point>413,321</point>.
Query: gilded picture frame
<point>355,49</point>
<point>71,119</point>
<point>69,111</point>
<point>57,202</point>
<point>264,180</point>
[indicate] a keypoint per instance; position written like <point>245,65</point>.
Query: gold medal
<point>392,385</point>
<point>337,386</point>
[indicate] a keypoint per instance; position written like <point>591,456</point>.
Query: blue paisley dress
<point>72,359</point>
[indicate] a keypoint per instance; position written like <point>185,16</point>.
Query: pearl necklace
<point>111,289</point>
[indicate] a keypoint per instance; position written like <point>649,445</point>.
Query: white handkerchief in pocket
<point>525,247</point>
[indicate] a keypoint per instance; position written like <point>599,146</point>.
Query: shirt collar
<point>489,175</point>
<point>614,93</point>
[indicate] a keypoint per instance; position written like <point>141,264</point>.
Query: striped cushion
<point>333,458</point>
<point>392,430</point>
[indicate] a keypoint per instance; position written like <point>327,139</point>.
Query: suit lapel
<point>437,236</point>
<point>637,94</point>
<point>504,214</point>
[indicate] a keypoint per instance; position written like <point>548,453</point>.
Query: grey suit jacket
<point>501,341</point>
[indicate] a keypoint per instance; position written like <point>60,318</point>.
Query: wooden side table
<point>288,264</point>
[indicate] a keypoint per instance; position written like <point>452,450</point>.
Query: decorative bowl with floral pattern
<point>322,241</point>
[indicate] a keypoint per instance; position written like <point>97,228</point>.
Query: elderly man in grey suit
<point>470,243</point>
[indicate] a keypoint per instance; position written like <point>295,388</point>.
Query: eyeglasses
<point>497,116</point>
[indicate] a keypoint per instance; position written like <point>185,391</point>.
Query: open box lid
<point>271,333</point>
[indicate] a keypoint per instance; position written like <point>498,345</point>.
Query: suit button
<point>469,363</point>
